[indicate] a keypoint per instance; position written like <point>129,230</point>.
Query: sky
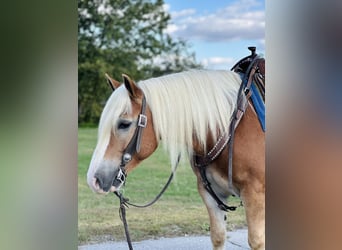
<point>219,31</point>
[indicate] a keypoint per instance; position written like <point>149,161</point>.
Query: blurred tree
<point>123,36</point>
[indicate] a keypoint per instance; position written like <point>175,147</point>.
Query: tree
<point>123,36</point>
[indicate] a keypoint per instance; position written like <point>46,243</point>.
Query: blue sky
<point>219,31</point>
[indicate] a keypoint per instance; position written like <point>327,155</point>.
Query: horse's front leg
<point>254,202</point>
<point>216,216</point>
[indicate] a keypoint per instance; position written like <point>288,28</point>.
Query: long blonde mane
<point>189,104</point>
<point>184,106</point>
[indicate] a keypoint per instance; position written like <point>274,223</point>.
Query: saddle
<point>244,68</point>
<point>252,72</point>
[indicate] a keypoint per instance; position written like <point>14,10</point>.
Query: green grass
<point>179,212</point>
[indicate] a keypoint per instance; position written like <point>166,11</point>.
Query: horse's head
<point>125,137</point>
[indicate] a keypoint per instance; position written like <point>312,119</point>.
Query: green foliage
<point>123,36</point>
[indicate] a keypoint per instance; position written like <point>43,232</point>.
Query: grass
<point>179,212</point>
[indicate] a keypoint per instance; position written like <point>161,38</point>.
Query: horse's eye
<point>124,125</point>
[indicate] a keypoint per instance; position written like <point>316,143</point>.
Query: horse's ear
<point>130,86</point>
<point>112,83</point>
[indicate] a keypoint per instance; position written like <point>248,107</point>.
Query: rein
<point>132,148</point>
<point>124,202</point>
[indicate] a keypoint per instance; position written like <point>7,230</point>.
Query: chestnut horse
<point>187,112</point>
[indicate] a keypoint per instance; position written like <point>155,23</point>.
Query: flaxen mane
<point>190,104</point>
<point>183,105</point>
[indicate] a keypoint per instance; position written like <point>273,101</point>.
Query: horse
<point>187,113</point>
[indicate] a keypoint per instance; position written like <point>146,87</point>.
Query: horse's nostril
<point>103,180</point>
<point>98,181</point>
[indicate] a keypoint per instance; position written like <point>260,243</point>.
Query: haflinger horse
<point>187,112</point>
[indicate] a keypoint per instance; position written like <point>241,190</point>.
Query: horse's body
<point>187,112</point>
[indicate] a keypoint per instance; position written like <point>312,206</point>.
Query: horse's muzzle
<point>107,181</point>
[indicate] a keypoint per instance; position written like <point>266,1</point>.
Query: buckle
<point>142,121</point>
<point>121,177</point>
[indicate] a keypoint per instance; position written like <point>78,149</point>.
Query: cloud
<point>218,62</point>
<point>182,13</point>
<point>240,20</point>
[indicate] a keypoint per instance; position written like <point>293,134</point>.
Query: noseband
<point>133,146</point>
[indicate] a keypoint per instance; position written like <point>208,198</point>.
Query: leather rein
<point>132,148</point>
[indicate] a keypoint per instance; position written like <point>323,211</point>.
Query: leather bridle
<point>133,146</point>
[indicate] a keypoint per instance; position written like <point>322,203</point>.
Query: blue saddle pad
<point>259,105</point>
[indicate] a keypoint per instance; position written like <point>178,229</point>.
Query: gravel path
<point>236,240</point>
